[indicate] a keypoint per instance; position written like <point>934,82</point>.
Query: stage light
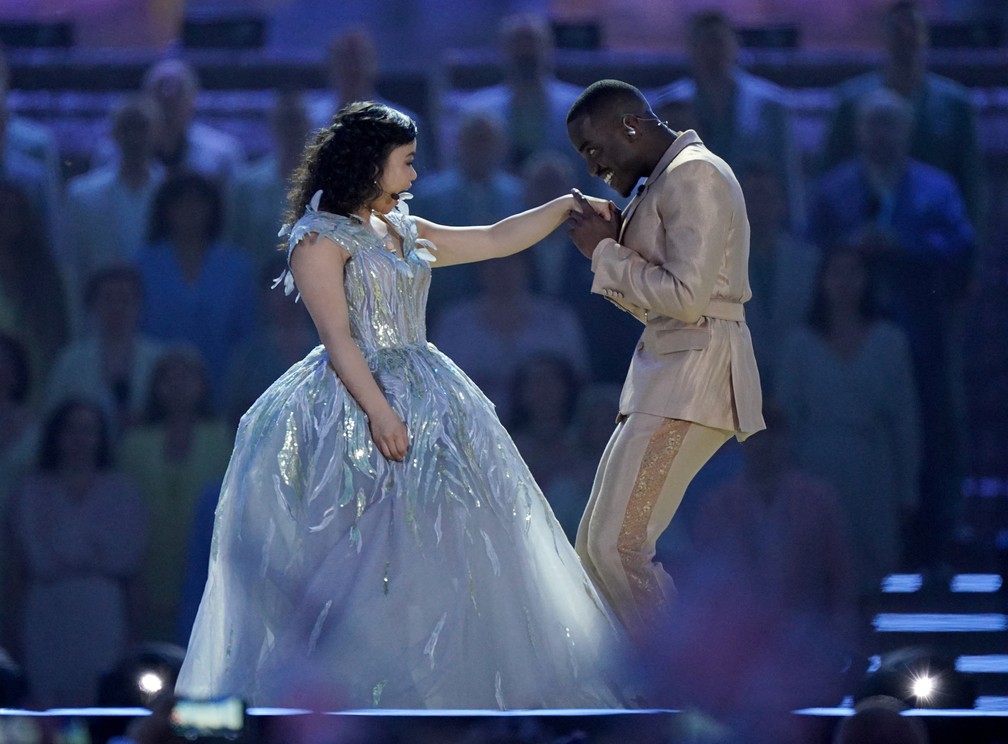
<point>923,687</point>
<point>919,678</point>
<point>150,683</point>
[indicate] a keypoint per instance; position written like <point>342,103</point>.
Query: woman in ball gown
<point>379,541</point>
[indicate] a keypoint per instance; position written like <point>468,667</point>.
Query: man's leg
<point>648,465</point>
<point>581,541</point>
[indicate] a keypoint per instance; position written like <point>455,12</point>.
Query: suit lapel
<point>629,210</point>
<point>689,137</point>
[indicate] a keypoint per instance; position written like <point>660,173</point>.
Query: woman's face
<point>397,176</point>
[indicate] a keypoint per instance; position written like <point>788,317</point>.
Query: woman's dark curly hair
<point>346,158</point>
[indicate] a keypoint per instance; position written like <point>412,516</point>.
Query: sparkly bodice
<point>386,293</point>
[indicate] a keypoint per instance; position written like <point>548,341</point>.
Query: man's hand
<point>587,227</point>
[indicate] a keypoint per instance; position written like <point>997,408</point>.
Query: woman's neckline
<point>392,236</point>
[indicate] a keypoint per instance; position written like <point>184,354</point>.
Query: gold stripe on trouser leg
<point>635,548</point>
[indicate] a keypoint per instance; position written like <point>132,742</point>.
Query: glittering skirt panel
<point>339,579</point>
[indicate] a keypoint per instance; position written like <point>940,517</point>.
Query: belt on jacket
<point>725,310</point>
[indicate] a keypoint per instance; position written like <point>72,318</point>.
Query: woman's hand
<point>587,226</point>
<point>390,435</point>
<point>604,208</point>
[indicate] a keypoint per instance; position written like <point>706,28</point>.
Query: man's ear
<point>630,125</point>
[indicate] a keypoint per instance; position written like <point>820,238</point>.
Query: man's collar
<point>684,140</point>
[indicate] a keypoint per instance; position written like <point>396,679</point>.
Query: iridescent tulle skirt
<point>339,579</point>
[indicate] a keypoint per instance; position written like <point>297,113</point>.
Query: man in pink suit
<point>677,259</point>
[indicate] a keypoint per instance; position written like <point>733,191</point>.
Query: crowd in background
<point>137,324</point>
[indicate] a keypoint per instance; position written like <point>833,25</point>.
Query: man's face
<point>603,143</point>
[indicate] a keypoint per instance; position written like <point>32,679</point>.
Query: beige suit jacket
<point>680,266</point>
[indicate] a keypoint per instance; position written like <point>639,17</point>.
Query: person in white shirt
<point>119,193</point>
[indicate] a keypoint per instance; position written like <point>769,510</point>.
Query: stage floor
<point>567,726</point>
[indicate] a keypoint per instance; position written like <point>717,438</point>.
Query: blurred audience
<point>197,289</point>
<point>259,195</point>
<point>544,393</point>
<point>181,142</point>
<point>944,129</point>
<point>782,269</point>
<point>29,157</point>
<point>589,430</point>
<point>352,72</point>
<point>18,446</point>
<point>33,306</point>
<point>531,102</point>
<point>179,448</point>
<point>18,426</point>
<point>107,209</point>
<point>846,385</point>
<point>771,545</point>
<point>197,558</point>
<point>561,272</point>
<point>504,324</point>
<point>476,190</point>
<point>739,116</point>
<point>112,364</point>
<point>284,336</point>
<point>78,532</point>
<point>910,218</point>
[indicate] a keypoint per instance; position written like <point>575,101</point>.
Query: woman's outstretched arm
<point>457,245</point>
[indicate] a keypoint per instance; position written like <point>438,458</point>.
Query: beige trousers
<point>640,483</point>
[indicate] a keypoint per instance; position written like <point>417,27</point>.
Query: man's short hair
<point>604,94</point>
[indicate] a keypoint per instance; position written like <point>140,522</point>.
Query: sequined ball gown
<point>344,580</point>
